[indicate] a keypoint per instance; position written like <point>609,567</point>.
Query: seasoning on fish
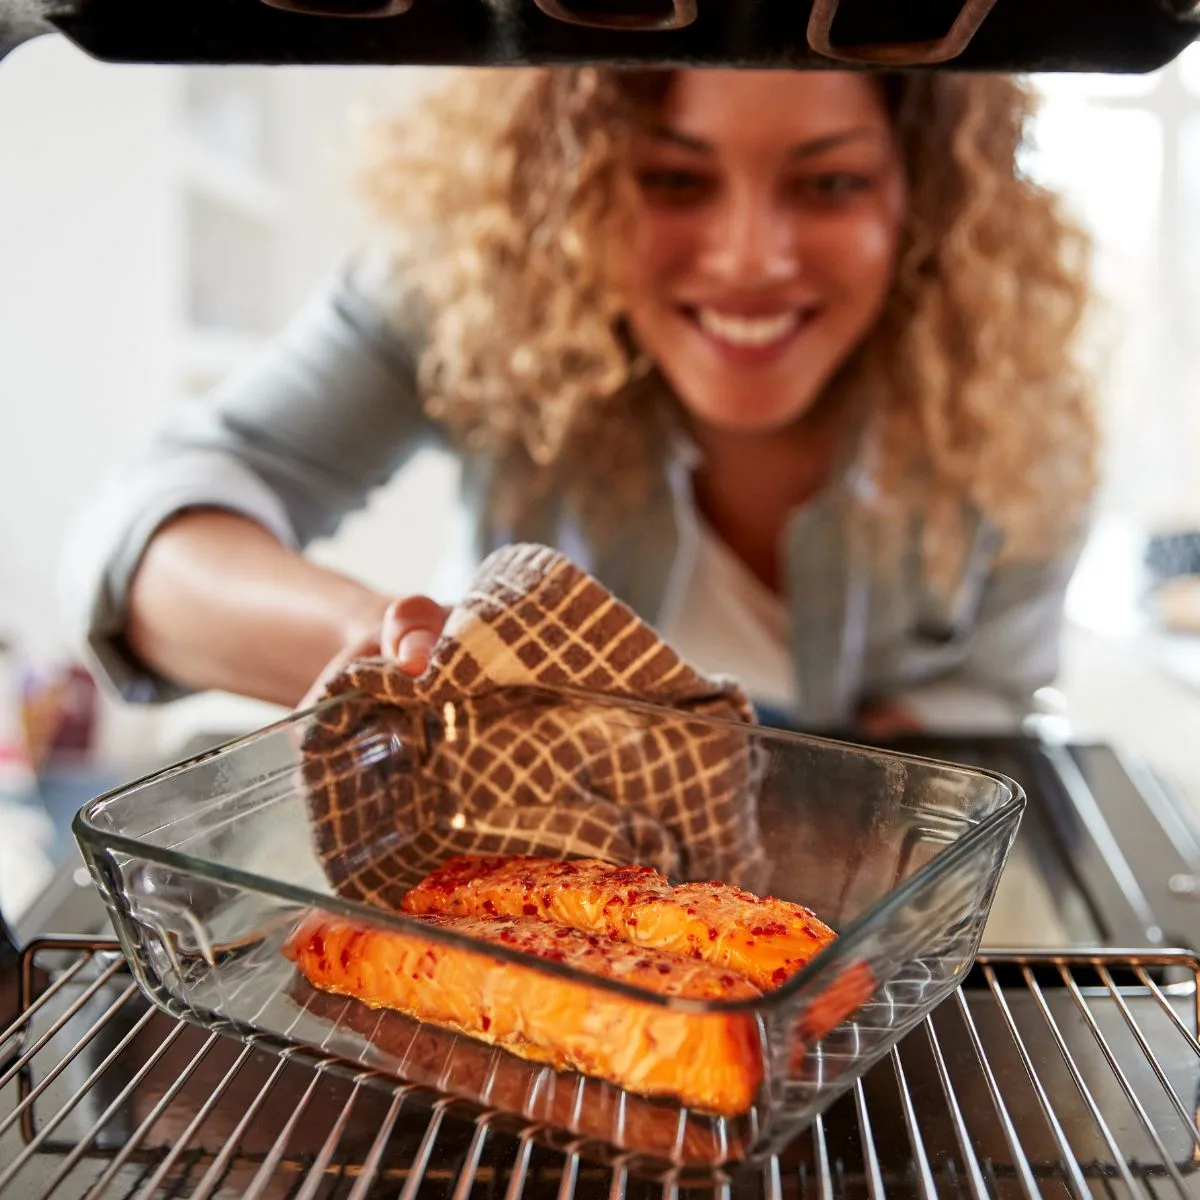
<point>765,940</point>
<point>709,1061</point>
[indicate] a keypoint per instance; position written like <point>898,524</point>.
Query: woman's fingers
<point>408,632</point>
<point>410,628</point>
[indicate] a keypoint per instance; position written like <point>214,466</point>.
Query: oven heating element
<point>1064,1074</point>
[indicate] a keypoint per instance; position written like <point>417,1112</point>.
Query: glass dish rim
<point>824,963</point>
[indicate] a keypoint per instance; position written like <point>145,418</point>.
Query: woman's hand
<point>409,629</point>
<point>883,720</point>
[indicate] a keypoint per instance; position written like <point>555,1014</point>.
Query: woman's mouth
<point>750,339</point>
<point>748,331</point>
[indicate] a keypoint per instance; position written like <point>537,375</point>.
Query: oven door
<point>1107,854</point>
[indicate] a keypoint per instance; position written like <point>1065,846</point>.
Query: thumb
<point>411,628</point>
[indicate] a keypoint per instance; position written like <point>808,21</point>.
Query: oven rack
<point>1055,1074</point>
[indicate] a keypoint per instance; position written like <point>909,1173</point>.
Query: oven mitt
<point>491,765</point>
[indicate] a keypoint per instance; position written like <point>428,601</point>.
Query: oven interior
<point>1051,1072</point>
<point>1059,1074</point>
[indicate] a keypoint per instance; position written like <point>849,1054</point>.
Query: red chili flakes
<point>488,907</point>
<point>316,945</point>
<point>712,933</point>
<point>643,964</point>
<point>485,1023</point>
<point>728,981</point>
<point>749,941</point>
<point>345,957</point>
<point>664,968</point>
<point>530,910</point>
<point>563,932</point>
<point>779,975</point>
<point>757,930</point>
<point>631,922</point>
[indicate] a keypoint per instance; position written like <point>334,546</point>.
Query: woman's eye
<point>673,186</point>
<point>830,186</point>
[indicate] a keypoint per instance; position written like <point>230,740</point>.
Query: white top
<point>731,623</point>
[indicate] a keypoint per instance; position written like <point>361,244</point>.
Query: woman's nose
<point>752,241</point>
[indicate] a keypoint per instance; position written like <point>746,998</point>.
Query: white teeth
<point>748,331</point>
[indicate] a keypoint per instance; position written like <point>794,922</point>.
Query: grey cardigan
<point>330,411</point>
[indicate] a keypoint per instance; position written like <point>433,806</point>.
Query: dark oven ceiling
<point>1008,35</point>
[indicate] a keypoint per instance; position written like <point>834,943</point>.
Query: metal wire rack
<point>1053,1074</point>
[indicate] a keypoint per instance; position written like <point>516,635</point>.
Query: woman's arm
<point>218,602</point>
<point>185,572</point>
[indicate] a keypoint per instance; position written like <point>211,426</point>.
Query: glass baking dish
<point>207,866</point>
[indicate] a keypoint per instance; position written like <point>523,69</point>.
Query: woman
<point>784,359</point>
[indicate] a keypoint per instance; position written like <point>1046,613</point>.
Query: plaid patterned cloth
<point>475,757</point>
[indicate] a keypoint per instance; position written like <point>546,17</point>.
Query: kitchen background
<point>157,223</point>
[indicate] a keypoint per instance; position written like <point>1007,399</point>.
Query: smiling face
<point>762,249</point>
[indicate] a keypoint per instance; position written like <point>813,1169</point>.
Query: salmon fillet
<point>765,940</point>
<point>449,1063</point>
<point>709,1061</point>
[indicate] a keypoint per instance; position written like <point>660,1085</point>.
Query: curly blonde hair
<point>504,192</point>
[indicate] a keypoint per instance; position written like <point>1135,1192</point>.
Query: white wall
<point>84,258</point>
<point>90,294</point>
